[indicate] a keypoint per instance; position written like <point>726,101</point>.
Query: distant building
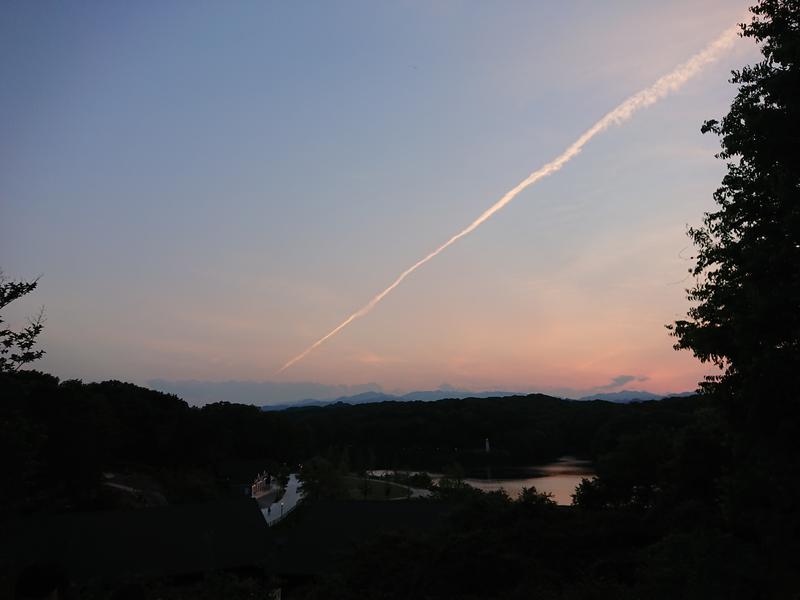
<point>260,485</point>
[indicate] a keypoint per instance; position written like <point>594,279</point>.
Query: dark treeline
<point>663,519</point>
<point>522,430</point>
<point>59,437</point>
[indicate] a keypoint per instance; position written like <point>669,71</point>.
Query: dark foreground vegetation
<point>695,498</point>
<point>59,438</point>
<point>658,513</point>
<point>675,512</point>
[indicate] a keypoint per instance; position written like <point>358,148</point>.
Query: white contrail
<point>666,84</point>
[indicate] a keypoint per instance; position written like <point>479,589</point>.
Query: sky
<point>207,188</point>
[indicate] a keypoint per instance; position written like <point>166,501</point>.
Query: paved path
<point>408,491</point>
<point>285,505</point>
<point>420,493</point>
<point>415,492</point>
<point>266,498</point>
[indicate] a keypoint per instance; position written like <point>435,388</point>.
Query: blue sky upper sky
<point>207,188</point>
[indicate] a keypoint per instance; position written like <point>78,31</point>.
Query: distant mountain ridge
<point>271,395</point>
<point>633,396</point>
<point>372,397</point>
<point>621,397</point>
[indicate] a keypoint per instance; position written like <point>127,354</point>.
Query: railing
<point>294,493</point>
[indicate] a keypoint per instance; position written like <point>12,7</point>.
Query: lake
<point>559,478</point>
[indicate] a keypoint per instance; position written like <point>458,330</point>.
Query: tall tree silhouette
<point>18,348</point>
<point>746,317</point>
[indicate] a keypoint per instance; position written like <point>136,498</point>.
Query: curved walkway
<point>414,492</point>
<point>277,510</point>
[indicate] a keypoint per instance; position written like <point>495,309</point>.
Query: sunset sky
<point>208,188</point>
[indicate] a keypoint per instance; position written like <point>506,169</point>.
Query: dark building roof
<point>152,542</point>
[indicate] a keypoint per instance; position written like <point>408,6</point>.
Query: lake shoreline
<point>559,478</point>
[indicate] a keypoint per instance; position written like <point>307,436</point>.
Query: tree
<point>321,479</point>
<point>746,316</point>
<point>531,497</point>
<point>17,348</point>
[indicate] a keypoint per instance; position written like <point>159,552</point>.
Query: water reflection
<point>559,478</point>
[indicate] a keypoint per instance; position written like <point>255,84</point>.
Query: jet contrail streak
<point>666,84</point>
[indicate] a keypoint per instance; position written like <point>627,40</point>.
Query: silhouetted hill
<point>449,394</point>
<point>200,392</point>
<point>371,397</point>
<point>633,396</point>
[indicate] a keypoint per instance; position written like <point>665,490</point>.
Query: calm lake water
<point>559,478</point>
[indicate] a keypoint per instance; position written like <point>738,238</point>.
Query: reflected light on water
<point>559,478</point>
